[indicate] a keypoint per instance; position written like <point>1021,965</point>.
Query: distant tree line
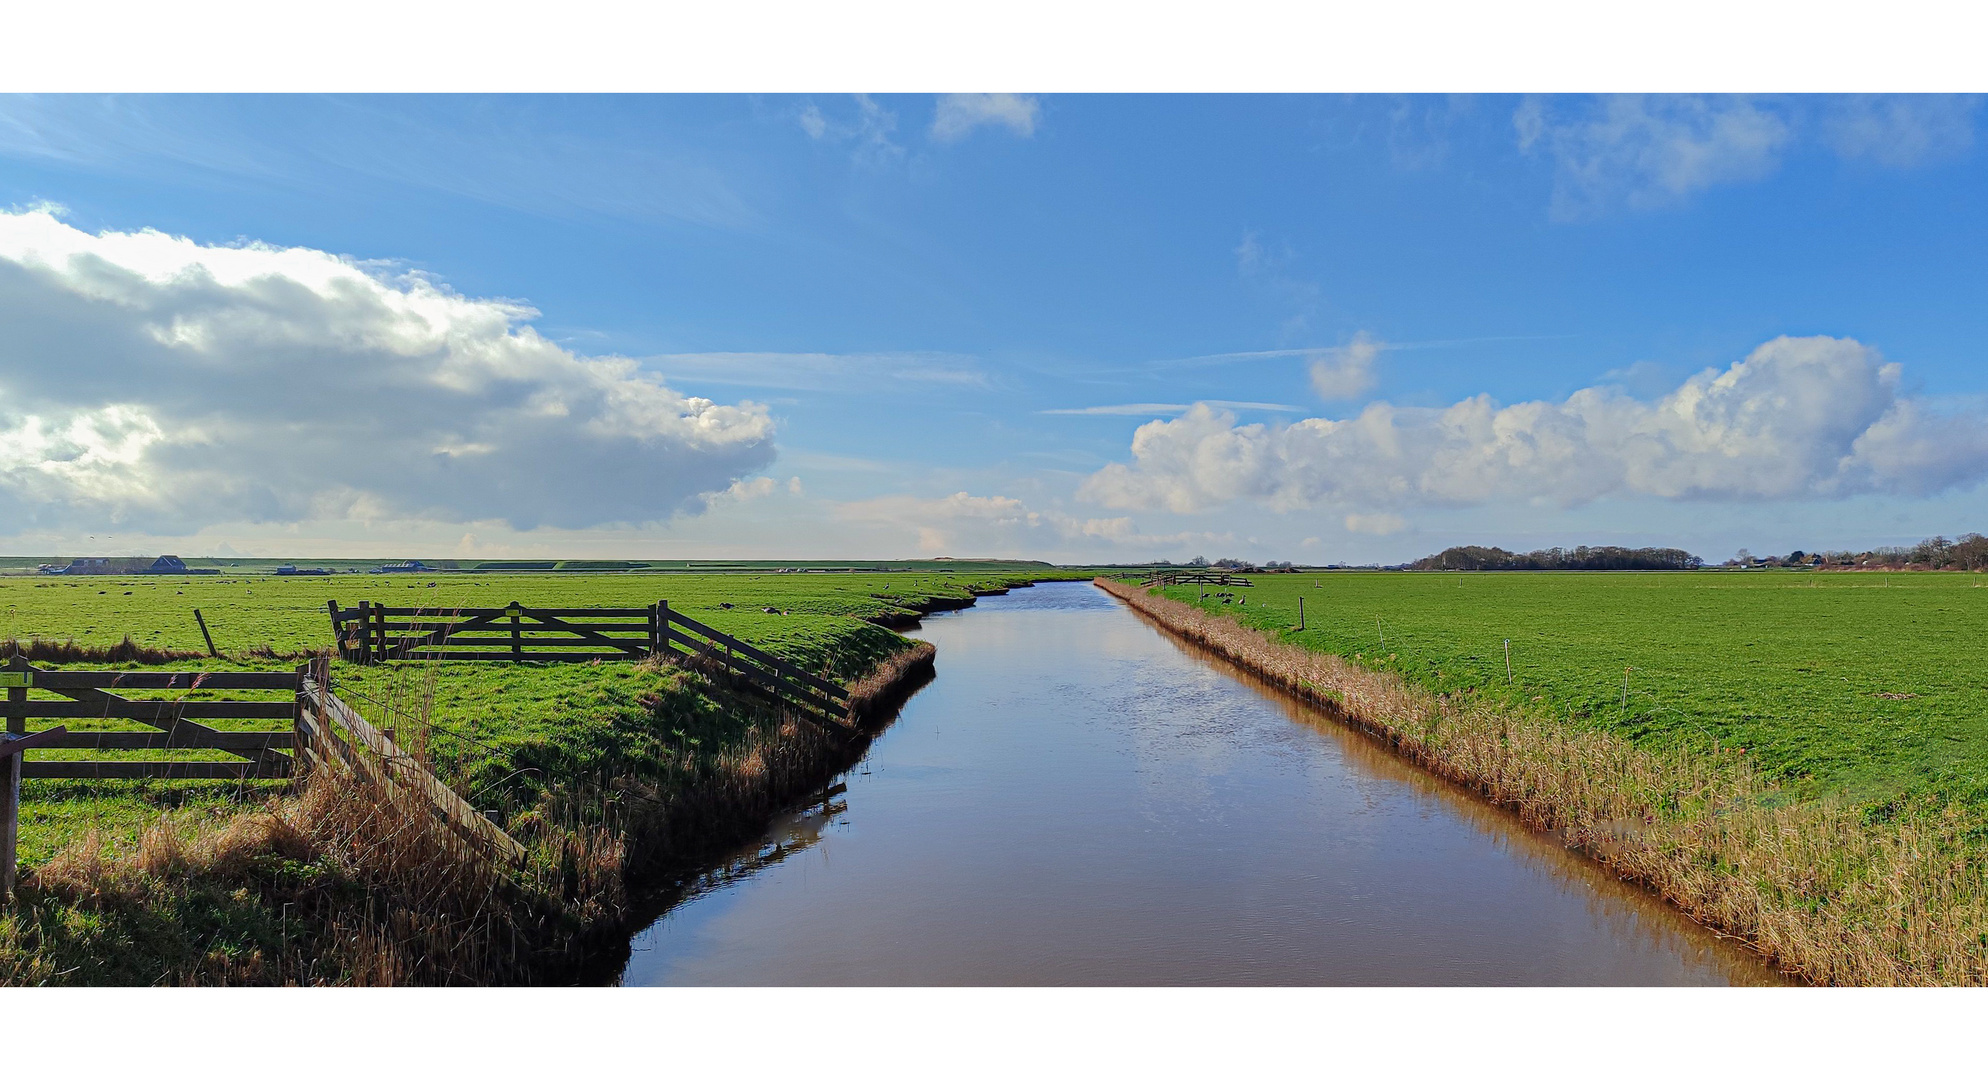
<point>1970,552</point>
<point>1470,557</point>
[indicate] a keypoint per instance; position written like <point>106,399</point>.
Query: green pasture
<point>287,614</point>
<point>1866,683</point>
<point>500,732</point>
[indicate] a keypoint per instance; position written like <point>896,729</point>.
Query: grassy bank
<point>613,775</point>
<point>1834,886</point>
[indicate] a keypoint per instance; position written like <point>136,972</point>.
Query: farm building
<point>164,564</point>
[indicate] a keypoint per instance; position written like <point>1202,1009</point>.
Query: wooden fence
<point>1199,577</point>
<point>77,697</point>
<point>371,633</point>
<point>331,734</point>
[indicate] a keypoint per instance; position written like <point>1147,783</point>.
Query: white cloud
<point>1000,525</point>
<point>1375,524</point>
<point>958,114</point>
<point>1346,372</point>
<point>1901,130</point>
<point>1813,417</point>
<point>741,491</point>
<point>1159,409</point>
<point>1649,150</point>
<point>869,132</point>
<point>151,380</point>
<point>1646,151</point>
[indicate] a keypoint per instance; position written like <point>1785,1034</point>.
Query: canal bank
<point>1081,799</point>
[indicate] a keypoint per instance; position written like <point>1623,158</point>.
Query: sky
<point>1329,329</point>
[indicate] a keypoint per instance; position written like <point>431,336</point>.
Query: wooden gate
<point>79,697</point>
<point>371,633</point>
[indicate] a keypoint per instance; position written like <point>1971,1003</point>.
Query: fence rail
<point>331,734</point>
<point>373,633</point>
<point>87,695</point>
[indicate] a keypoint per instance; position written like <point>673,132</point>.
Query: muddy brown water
<point>1082,799</point>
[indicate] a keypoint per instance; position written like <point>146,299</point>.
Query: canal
<point>1080,799</point>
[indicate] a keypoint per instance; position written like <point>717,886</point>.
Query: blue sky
<point>982,325</point>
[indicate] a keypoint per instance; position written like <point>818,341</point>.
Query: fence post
<point>17,695</point>
<point>380,629</point>
<point>10,821</point>
<point>203,633</point>
<point>663,628</point>
<point>517,641</point>
<point>299,758</point>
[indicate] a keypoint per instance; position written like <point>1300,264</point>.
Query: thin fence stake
<point>1508,659</point>
<point>203,633</point>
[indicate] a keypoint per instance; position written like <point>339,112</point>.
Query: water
<point>1079,799</point>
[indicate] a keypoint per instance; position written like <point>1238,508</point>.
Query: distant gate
<point>371,633</point>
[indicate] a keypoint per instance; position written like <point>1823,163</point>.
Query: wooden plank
<point>170,740</point>
<point>818,683</point>
<point>503,612</point>
<point>269,758</point>
<point>155,712</point>
<point>766,679</point>
<point>528,657</point>
<point>160,770</point>
<point>406,770</point>
<point>16,746</point>
<point>285,681</point>
<point>539,642</point>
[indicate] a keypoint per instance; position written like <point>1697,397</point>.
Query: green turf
<point>1791,666</point>
<point>288,614</point>
<point>502,732</point>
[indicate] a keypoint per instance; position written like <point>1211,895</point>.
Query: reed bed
<point>346,883</point>
<point>1830,892</point>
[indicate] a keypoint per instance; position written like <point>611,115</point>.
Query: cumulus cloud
<point>1346,372</point>
<point>959,114</point>
<point>149,380</point>
<point>1814,417</point>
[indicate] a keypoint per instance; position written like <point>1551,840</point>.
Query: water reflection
<point>1079,799</point>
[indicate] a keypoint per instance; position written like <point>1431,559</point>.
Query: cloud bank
<point>151,382</point>
<point>1813,417</point>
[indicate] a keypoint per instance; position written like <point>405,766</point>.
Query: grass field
<point>502,733</point>
<point>287,614</point>
<point>1874,685</point>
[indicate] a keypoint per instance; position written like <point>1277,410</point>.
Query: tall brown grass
<point>375,890</point>
<point>1828,891</point>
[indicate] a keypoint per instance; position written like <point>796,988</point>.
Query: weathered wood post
<point>11,749</point>
<point>203,633</point>
<point>17,678</point>
<point>1301,613</point>
<point>517,638</point>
